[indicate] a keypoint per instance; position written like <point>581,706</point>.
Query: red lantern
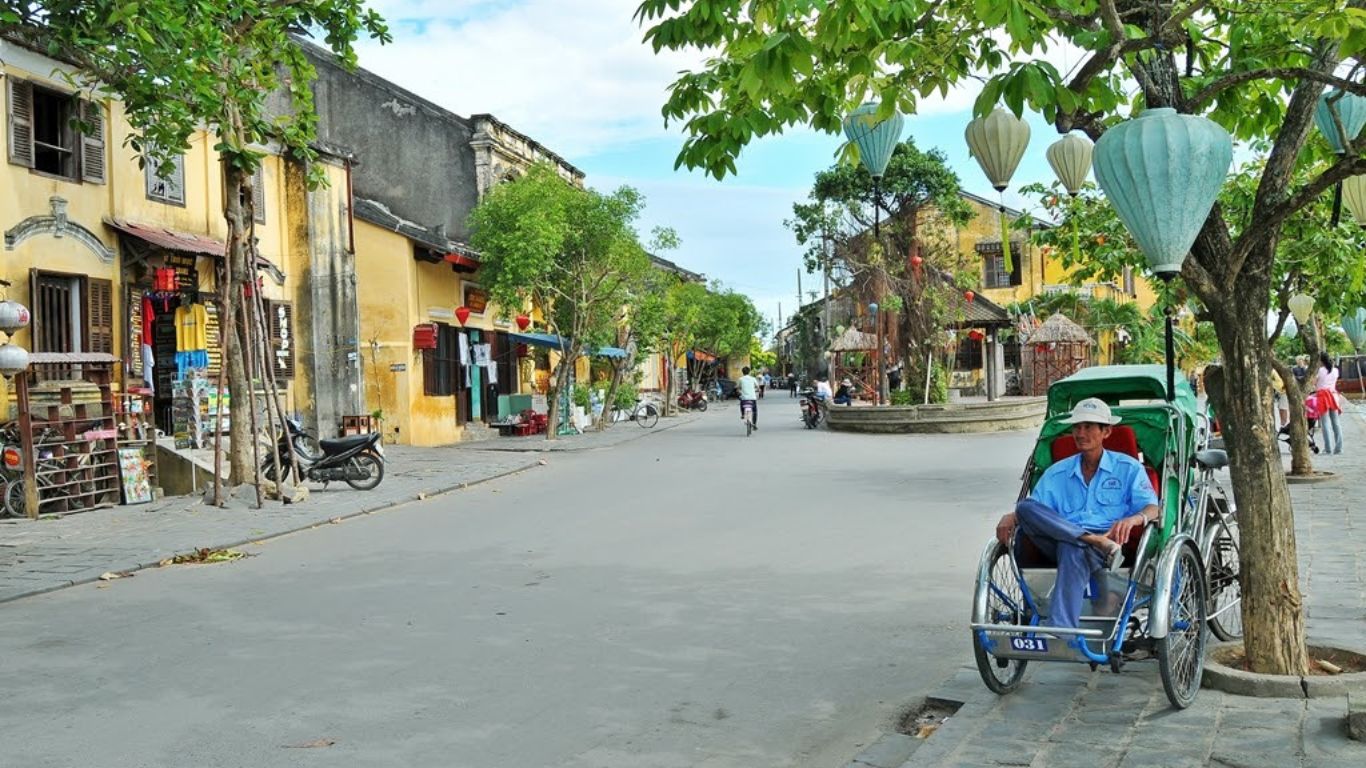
<point>462,314</point>
<point>1040,348</point>
<point>969,295</point>
<point>916,261</point>
<point>976,335</point>
<point>522,322</point>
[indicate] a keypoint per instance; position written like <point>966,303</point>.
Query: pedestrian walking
<point>792,385</point>
<point>1326,390</point>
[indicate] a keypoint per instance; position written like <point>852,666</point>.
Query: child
<point>1311,418</point>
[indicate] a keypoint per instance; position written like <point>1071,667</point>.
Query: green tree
<point>1257,69</point>
<point>727,325</point>
<point>180,66</point>
<point>571,251</point>
<point>918,196</point>
<point>684,304</point>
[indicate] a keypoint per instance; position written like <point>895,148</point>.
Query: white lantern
<point>1301,306</point>
<point>1070,157</point>
<point>1354,195</point>
<point>13,359</point>
<point>13,316</point>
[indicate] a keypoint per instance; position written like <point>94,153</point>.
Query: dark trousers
<point>753,404</point>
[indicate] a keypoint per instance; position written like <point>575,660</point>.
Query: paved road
<point>692,599</point>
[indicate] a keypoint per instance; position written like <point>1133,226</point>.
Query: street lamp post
<point>881,362</point>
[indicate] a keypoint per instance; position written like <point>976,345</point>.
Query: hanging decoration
<point>13,359</point>
<point>916,261</point>
<point>1354,325</point>
<point>876,141</point>
<point>1354,195</point>
<point>969,296</point>
<point>1070,157</point>
<point>462,313</point>
<point>1301,306</point>
<point>997,142</point>
<point>13,317</point>
<point>1162,172</point>
<point>522,322</point>
<point>1336,107</point>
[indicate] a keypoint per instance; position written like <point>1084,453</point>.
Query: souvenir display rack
<point>69,433</point>
<point>137,428</point>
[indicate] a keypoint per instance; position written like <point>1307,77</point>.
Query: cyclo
<point>1179,574</point>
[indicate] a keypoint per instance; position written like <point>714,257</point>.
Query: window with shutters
<point>441,365</point>
<point>258,194</point>
<point>99,315</point>
<point>72,313</point>
<point>995,274</point>
<point>55,133</point>
<point>280,325</point>
<point>169,189</point>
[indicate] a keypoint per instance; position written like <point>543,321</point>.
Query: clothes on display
<point>191,338</point>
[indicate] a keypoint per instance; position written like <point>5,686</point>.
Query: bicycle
<point>643,413</point>
<point>747,413</point>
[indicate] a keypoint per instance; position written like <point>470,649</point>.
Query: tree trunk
<point>240,438</point>
<point>618,372</point>
<point>1273,612</point>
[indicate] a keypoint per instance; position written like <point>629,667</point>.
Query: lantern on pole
<point>1301,306</point>
<point>1354,195</point>
<point>1162,172</point>
<point>1339,117</point>
<point>876,140</point>
<point>1070,157</point>
<point>462,313</point>
<point>997,142</point>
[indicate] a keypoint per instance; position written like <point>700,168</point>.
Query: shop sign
<point>476,298</point>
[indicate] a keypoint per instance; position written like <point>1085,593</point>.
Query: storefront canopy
<point>556,342</point>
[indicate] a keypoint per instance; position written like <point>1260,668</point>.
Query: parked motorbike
<point>811,409</point>
<point>692,400</point>
<point>357,460</point>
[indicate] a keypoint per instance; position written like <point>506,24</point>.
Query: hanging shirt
<point>148,316</point>
<point>191,328</point>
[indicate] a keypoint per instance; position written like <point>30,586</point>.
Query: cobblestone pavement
<point>1065,715</point>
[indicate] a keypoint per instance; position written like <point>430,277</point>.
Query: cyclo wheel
<point>1005,605</point>
<point>370,466</point>
<point>1222,573</point>
<point>1181,654</point>
<point>648,416</point>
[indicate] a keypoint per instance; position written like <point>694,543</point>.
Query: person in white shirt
<point>748,387</point>
<point>1326,390</point>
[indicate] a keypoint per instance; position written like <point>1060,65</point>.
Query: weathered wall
<point>383,268</point>
<point>415,157</point>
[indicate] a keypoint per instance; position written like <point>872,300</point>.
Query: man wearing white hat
<point>1083,509</point>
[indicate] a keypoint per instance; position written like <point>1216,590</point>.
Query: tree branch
<point>1271,73</point>
<point>1267,218</point>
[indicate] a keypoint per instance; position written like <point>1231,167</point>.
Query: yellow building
<point>104,252</point>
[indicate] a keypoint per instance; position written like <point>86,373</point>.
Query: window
<point>280,324</point>
<point>72,313</point>
<point>46,135</point>
<point>258,193</point>
<point>441,366</point>
<point>994,269</point>
<point>170,190</point>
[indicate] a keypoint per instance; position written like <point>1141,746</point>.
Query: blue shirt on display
<point>1119,488</point>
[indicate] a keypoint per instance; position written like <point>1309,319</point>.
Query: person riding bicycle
<point>1083,509</point>
<point>748,387</point>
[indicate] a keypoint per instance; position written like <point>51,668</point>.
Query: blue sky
<point>576,78</point>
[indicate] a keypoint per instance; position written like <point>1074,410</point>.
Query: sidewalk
<point>1065,715</point>
<point>52,553</point>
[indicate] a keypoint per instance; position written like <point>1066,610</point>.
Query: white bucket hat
<point>1093,410</point>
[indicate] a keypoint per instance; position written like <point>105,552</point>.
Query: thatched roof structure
<point>1058,329</point>
<point>853,340</point>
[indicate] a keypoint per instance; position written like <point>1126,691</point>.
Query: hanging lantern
<point>522,322</point>
<point>976,335</point>
<point>1291,330</point>
<point>462,314</point>
<point>13,317</point>
<point>1354,195</point>
<point>1070,157</point>
<point>1162,172</point>
<point>875,139</point>
<point>916,261</point>
<point>1354,325</point>
<point>997,142</point>
<point>969,295</point>
<point>1351,110</point>
<point>13,359</point>
<point>1301,306</point>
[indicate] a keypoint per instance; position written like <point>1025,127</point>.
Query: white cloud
<point>574,76</point>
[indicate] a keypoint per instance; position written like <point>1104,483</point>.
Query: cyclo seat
<point>1121,440</point>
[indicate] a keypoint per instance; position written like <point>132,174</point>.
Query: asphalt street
<point>697,598</point>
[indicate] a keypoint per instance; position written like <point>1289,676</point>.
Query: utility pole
<point>826,257</point>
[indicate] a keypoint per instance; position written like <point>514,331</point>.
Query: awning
<point>183,242</point>
<point>557,342</point>
<point>705,357</point>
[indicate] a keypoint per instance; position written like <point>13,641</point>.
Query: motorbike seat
<point>344,444</point>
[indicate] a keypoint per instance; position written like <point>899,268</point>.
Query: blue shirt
<point>1119,488</point>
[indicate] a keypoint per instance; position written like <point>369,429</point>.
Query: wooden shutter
<point>258,193</point>
<point>21,122</point>
<point>92,142</point>
<point>99,314</point>
<point>280,324</point>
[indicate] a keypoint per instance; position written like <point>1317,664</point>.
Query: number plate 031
<point>1035,644</point>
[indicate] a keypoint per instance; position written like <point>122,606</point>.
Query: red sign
<point>424,336</point>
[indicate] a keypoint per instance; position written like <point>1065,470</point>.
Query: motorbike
<point>692,400</point>
<point>811,409</point>
<point>357,460</point>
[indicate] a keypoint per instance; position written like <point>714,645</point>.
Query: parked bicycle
<point>644,413</point>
